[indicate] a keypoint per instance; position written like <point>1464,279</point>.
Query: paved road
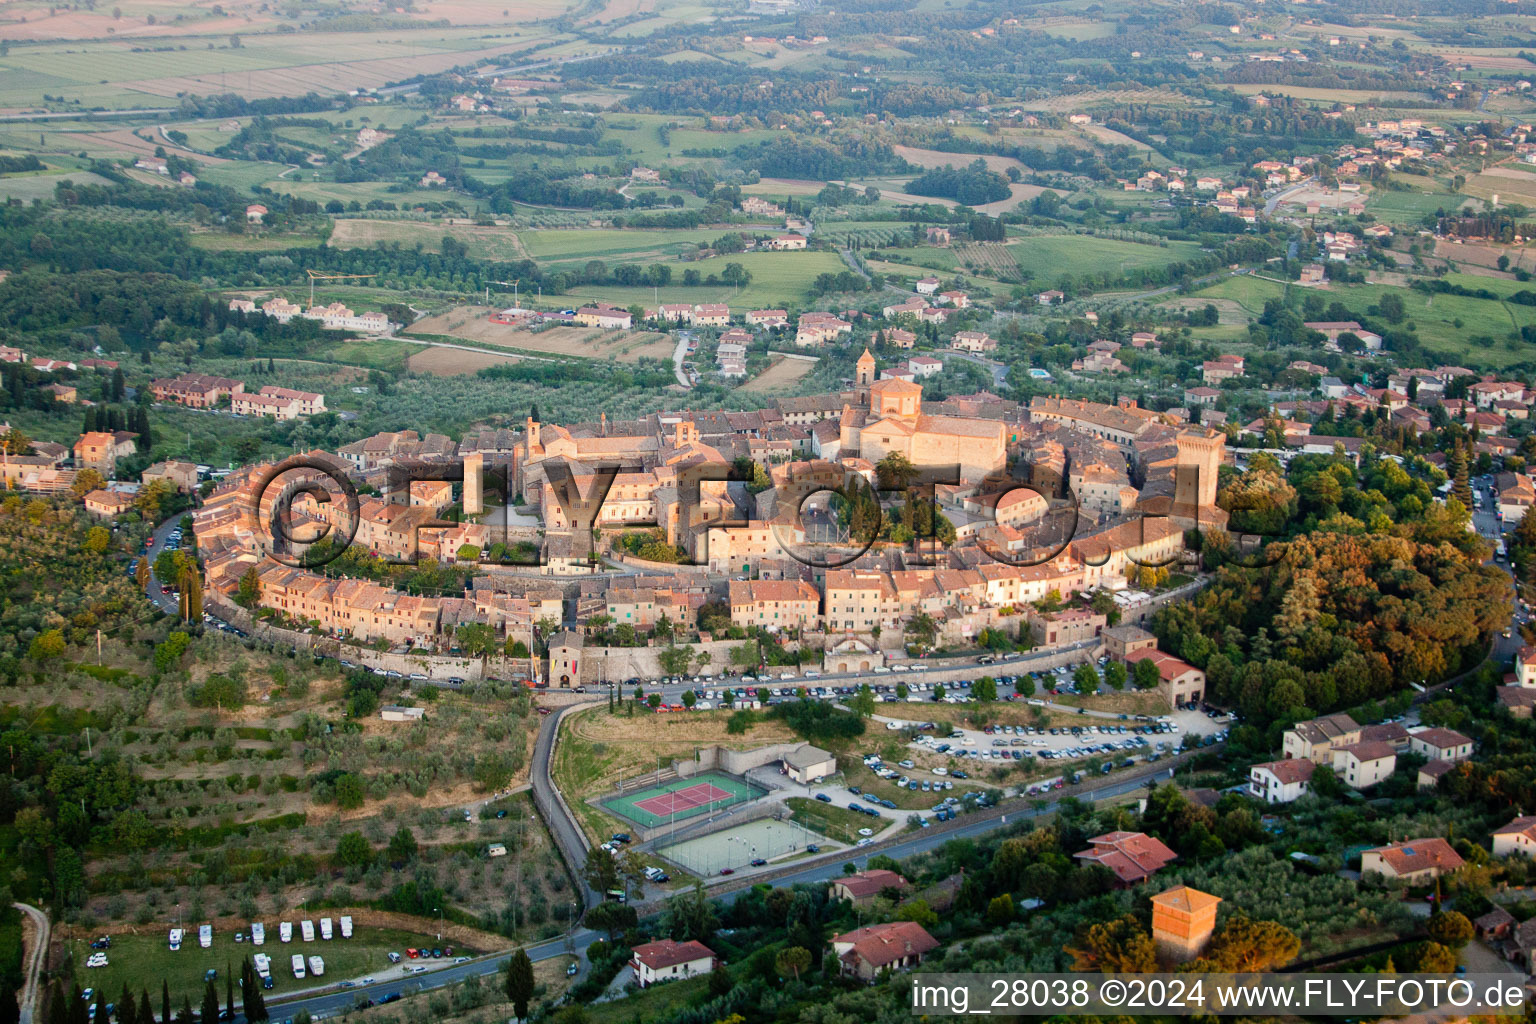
<point>678,355</point>
<point>34,962</point>
<point>1284,194</point>
<point>998,370</point>
<point>565,829</point>
<point>165,602</point>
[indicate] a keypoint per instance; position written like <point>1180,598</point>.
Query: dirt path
<point>34,934</point>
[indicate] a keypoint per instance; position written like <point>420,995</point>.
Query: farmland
<point>450,362</point>
<point>489,243</point>
<point>782,375</point>
<point>1045,257</point>
<point>470,324</point>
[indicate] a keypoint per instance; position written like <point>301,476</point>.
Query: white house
<point>666,960</point>
<point>1280,782</point>
<point>1519,836</point>
<point>924,366</point>
<point>1362,765</point>
<point>1441,745</point>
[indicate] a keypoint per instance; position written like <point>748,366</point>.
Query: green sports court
<point>682,799</point>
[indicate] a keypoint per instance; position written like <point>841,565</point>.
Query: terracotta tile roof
<point>1182,897</point>
<point>870,883</point>
<point>1132,856</point>
<point>1364,752</point>
<point>1291,770</point>
<point>1419,855</point>
<point>1386,732</point>
<point>883,944</point>
<point>1525,825</point>
<point>1442,739</point>
<point>1437,768</point>
<point>666,953</point>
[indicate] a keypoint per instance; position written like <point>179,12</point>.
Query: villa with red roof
<point>1133,856</point>
<point>666,960</point>
<point>864,952</point>
<point>1417,860</point>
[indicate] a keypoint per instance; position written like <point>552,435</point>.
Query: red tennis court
<point>681,800</point>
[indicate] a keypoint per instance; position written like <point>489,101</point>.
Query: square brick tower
<point>474,465</point>
<point>1182,922</point>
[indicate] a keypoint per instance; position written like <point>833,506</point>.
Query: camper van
<point>258,933</point>
<point>285,931</point>
<point>325,929</point>
<point>317,966</point>
<point>263,964</point>
<point>175,939</point>
<point>205,935</point>
<point>346,927</point>
<point>307,928</point>
<point>298,965</point>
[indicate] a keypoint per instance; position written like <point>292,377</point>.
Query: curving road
<point>551,805</point>
<point>34,962</point>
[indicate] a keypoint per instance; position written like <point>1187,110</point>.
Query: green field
<point>1049,256</point>
<point>628,246</point>
<point>27,187</point>
<point>1411,207</point>
<point>143,961</point>
<point>778,279</point>
<point>487,243</point>
<point>1448,325</point>
<point>834,822</point>
<point>1246,290</point>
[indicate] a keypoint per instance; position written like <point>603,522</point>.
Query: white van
<point>298,965</point>
<point>175,939</point>
<point>285,931</point>
<point>325,929</point>
<point>346,927</point>
<point>258,933</point>
<point>317,966</point>
<point>205,935</point>
<point>307,929</point>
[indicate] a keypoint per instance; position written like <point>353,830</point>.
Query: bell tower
<point>865,375</point>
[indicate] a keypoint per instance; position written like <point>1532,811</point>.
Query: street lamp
<point>439,912</point>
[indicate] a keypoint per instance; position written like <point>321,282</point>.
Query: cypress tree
<point>165,1000</point>
<point>57,1011</point>
<point>210,1004</point>
<point>125,1010</point>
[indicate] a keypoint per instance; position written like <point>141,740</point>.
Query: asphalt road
<point>1489,526</point>
<point>166,602</point>
<point>566,831</point>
